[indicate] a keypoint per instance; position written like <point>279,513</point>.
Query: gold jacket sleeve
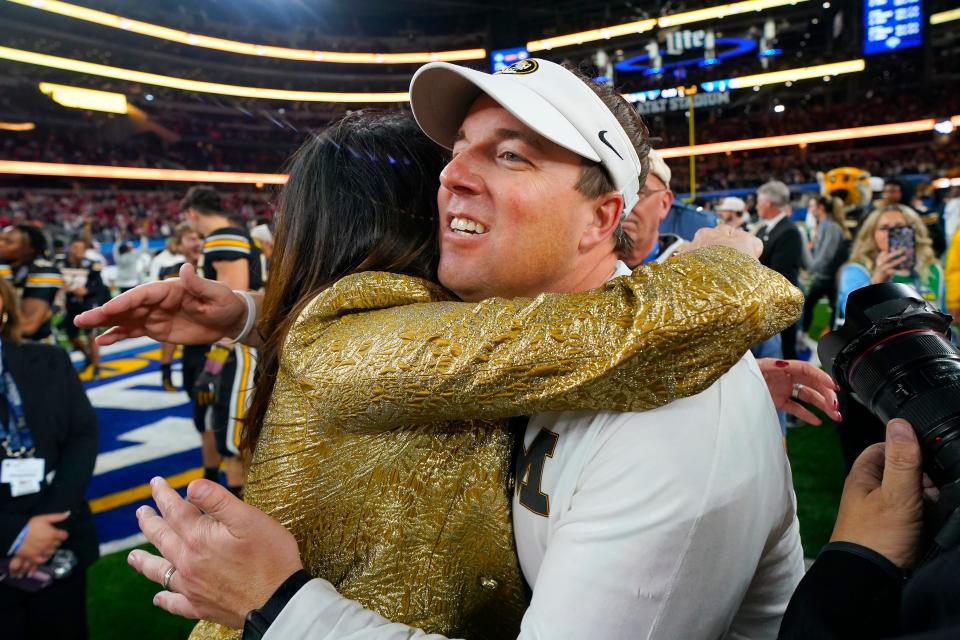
<point>373,353</point>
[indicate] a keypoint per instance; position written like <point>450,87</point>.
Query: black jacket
<point>782,249</point>
<point>853,592</point>
<point>64,429</point>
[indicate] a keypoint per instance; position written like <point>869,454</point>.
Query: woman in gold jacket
<point>377,429</point>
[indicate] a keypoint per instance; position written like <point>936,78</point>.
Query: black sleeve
<point>79,451</point>
<point>226,245</point>
<point>788,257</point>
<point>97,291</point>
<point>43,283</point>
<point>849,592</point>
<point>10,526</point>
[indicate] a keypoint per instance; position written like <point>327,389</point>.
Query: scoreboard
<point>892,25</point>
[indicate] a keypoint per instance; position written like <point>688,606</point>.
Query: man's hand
<point>726,236</point>
<point>43,539</point>
<point>882,503</point>
<point>186,310</point>
<point>816,388</point>
<point>229,557</point>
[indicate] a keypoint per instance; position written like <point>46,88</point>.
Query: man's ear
<point>666,203</point>
<point>604,220</point>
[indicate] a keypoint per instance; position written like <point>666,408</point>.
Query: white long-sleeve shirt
<point>674,523</point>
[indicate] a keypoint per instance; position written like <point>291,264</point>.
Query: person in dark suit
<point>44,415</point>
<point>782,245</point>
<point>859,587</point>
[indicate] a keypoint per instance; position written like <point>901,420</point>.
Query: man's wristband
<point>259,620</point>
<point>249,320</point>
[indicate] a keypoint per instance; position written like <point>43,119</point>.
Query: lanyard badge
<point>15,435</point>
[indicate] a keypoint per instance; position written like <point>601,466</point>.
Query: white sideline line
<point>125,345</point>
<point>122,544</point>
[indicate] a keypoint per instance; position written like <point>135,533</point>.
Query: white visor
<point>542,95</point>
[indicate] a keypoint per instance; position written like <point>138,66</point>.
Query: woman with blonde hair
<point>872,261</point>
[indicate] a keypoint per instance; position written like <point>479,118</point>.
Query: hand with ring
<point>221,558</point>
<point>793,383</point>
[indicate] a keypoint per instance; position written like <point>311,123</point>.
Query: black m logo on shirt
<point>530,472</point>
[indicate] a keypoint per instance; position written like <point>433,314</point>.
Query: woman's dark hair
<point>361,196</point>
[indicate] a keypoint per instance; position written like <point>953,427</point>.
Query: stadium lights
<point>77,98</point>
<point>715,13</point>
<point>68,64</point>
<point>182,175</point>
<point>792,75</point>
<point>136,173</point>
<point>17,126</point>
<point>946,183</point>
<point>855,133</point>
<point>247,48</point>
<point>945,16</point>
<point>605,33</point>
<point>787,76</point>
<point>642,26</point>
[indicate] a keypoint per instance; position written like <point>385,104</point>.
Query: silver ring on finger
<point>167,577</point>
<point>797,388</point>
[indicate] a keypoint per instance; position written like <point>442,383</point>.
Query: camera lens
<point>894,354</point>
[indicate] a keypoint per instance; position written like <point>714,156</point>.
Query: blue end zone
<point>144,432</point>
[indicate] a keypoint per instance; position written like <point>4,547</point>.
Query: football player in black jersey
<point>189,244</point>
<point>226,382</point>
<point>84,290</point>
<point>23,249</point>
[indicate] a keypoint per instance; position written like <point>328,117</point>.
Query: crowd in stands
<point>115,214</point>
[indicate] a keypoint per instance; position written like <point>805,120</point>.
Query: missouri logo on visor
<point>521,67</point>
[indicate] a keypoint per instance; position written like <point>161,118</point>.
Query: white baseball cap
<point>659,168</point>
<point>732,204</point>
<point>544,96</point>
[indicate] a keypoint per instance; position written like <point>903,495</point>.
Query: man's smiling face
<point>511,219</point>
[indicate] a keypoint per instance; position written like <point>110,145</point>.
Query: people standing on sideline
<point>51,440</point>
<point>831,248</point>
<point>733,211</point>
<point>37,280</point>
<point>84,290</point>
<point>190,245</point>
<point>225,384</point>
<point>782,246</point>
<point>872,261</point>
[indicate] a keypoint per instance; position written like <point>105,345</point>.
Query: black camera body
<point>894,353</point>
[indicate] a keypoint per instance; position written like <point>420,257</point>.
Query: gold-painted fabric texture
<point>413,519</point>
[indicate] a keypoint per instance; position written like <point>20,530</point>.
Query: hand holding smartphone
<point>904,239</point>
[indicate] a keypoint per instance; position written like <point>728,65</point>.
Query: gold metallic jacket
<point>413,520</point>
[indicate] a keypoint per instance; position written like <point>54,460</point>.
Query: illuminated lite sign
<point>503,58</point>
<point>892,25</point>
<point>737,46</point>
